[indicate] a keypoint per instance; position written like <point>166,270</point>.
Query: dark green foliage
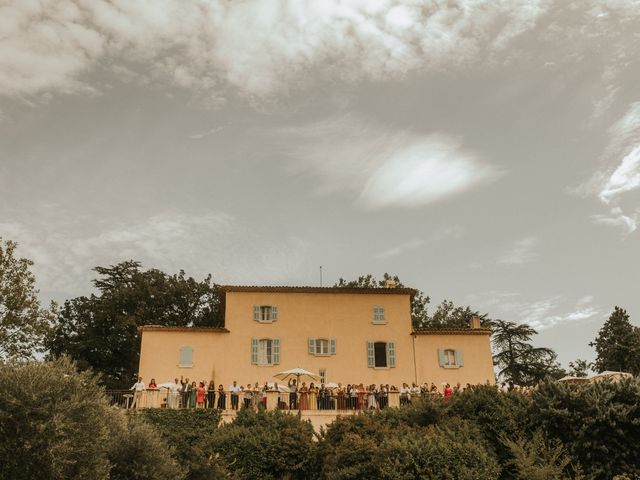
<point>618,344</point>
<point>598,424</point>
<point>498,415</point>
<point>190,433</point>
<point>383,446</point>
<point>57,424</point>
<point>579,368</point>
<point>519,361</point>
<point>447,315</point>
<point>267,445</point>
<point>536,458</point>
<point>101,331</point>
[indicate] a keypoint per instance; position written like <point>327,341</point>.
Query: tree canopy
<point>23,324</point>
<point>618,344</point>
<point>519,362</point>
<point>101,331</point>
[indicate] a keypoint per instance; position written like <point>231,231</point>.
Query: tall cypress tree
<point>618,344</point>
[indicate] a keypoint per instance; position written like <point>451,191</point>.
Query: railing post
<point>394,399</point>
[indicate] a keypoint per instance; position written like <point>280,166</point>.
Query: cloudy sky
<point>487,152</point>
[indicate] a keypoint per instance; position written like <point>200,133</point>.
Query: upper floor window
<point>265,351</point>
<point>186,357</point>
<point>378,315</point>
<point>450,358</point>
<point>321,346</point>
<point>381,354</point>
<point>265,313</point>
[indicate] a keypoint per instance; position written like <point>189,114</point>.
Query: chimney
<point>475,323</point>
<point>390,283</point>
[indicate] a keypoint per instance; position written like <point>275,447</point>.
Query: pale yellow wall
<point>345,317</point>
<point>478,366</point>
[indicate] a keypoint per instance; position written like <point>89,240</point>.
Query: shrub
<point>537,458</point>
<point>391,446</point>
<point>598,423</point>
<point>267,445</point>
<point>190,433</point>
<point>56,423</point>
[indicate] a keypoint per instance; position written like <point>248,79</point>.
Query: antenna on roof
<point>320,275</point>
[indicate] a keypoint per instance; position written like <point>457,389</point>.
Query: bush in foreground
<point>56,423</point>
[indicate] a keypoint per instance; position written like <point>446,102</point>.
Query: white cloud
<point>523,251</point>
<point>545,313</point>
<point>380,167</point>
<point>65,252</point>
<point>616,218</point>
<point>401,248</point>
<point>257,46</point>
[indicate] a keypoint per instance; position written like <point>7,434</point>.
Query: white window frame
<point>450,358</point>
<point>378,315</point>
<point>265,313</point>
<point>322,346</point>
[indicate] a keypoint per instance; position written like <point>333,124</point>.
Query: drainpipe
<point>415,366</point>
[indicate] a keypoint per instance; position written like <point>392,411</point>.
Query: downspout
<point>415,366</point>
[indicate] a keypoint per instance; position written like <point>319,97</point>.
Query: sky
<point>487,152</point>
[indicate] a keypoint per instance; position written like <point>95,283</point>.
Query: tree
<point>447,315</point>
<point>57,424</point>
<point>579,368</point>
<point>520,362</point>
<point>618,344</point>
<point>23,324</point>
<point>101,331</point>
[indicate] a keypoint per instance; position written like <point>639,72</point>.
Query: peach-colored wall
<point>346,317</point>
<point>477,368</point>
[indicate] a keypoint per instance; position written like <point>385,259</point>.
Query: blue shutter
<point>186,357</point>
<point>371,355</point>
<point>274,312</point>
<point>441,358</point>
<point>275,354</point>
<point>311,344</point>
<point>459,358</point>
<point>256,313</point>
<point>391,354</point>
<point>254,351</point>
<point>332,346</point>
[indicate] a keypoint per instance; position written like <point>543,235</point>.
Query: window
<point>265,313</point>
<point>381,354</point>
<point>265,351</point>
<point>321,346</point>
<point>323,375</point>
<point>450,358</point>
<point>378,315</point>
<point>186,357</point>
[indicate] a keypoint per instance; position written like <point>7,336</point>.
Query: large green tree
<point>519,362</point>
<point>101,331</point>
<point>23,324</point>
<point>618,344</point>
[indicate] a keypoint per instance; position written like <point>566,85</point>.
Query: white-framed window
<point>186,357</point>
<point>322,373</point>
<point>321,346</point>
<point>265,313</point>
<point>378,315</point>
<point>381,354</point>
<point>450,358</point>
<point>265,351</point>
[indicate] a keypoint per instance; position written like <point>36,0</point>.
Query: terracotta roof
<point>305,289</point>
<point>453,331</point>
<point>163,328</point>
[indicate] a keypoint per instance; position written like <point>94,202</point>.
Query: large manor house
<point>342,334</point>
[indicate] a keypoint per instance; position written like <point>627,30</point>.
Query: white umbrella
<point>281,388</point>
<point>296,373</point>
<point>331,385</point>
<point>167,385</point>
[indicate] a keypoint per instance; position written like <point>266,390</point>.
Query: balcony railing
<point>270,400</point>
